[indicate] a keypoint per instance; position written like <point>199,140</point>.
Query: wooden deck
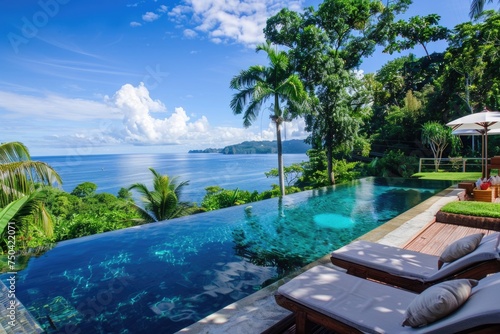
<point>433,238</point>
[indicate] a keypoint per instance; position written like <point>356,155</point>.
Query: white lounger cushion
<point>377,308</point>
<point>416,265</point>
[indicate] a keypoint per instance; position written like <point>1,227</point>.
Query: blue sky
<point>128,76</point>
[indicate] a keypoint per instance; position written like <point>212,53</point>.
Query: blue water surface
<point>162,277</point>
<point>110,172</point>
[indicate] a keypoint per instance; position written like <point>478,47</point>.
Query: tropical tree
<point>470,81</point>
<point>162,202</point>
<point>477,6</point>
<point>21,193</point>
<point>84,189</point>
<point>437,137</point>
<point>417,30</point>
<point>259,84</point>
<point>292,173</point>
<point>326,48</point>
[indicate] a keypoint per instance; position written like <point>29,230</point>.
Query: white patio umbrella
<point>482,122</point>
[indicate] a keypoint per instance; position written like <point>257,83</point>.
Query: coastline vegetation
<point>359,124</point>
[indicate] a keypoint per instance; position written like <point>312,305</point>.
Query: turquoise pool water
<point>162,277</point>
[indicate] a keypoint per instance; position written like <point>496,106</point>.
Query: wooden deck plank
<point>437,236</point>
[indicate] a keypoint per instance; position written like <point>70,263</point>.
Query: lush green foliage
<point>21,200</point>
<point>326,46</point>
<point>477,6</point>
<point>218,198</point>
<point>163,201</point>
<point>84,189</point>
<point>78,216</point>
<point>292,173</point>
<point>315,173</point>
<point>394,164</point>
<point>416,31</point>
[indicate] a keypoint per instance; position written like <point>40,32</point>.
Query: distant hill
<point>294,146</point>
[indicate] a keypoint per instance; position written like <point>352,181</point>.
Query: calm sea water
<point>112,172</point>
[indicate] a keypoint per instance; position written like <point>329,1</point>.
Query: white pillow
<point>438,301</point>
<point>460,248</point>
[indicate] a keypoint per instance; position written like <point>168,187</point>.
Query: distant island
<point>294,146</point>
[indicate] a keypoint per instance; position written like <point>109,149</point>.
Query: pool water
<point>162,277</point>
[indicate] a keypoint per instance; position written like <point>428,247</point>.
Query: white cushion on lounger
<point>420,266</point>
<point>377,308</point>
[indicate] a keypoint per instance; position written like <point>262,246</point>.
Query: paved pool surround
<point>259,311</point>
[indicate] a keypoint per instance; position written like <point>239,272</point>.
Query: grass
<point>448,176</point>
<point>470,208</point>
<point>479,209</point>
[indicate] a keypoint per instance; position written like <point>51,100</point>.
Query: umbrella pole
<point>486,153</point>
<point>482,155</point>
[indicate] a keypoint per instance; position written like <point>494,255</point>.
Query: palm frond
<point>13,151</point>
<point>8,212</point>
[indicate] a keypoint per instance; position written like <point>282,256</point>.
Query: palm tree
<point>258,84</point>
<point>477,6</point>
<point>162,202</point>
<point>21,195</point>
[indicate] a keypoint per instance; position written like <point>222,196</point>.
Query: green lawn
<point>449,176</point>
<point>471,208</point>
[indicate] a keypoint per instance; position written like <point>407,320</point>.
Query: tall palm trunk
<point>281,172</point>
<point>278,119</point>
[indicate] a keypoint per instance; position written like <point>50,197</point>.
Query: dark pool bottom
<point>162,277</point>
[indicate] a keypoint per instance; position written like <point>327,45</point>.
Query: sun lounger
<point>413,270</point>
<point>348,304</point>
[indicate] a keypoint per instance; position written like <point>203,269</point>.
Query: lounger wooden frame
<point>476,271</point>
<point>306,318</point>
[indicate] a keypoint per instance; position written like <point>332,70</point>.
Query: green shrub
<point>394,163</point>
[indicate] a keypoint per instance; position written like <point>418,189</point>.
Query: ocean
<point>111,172</point>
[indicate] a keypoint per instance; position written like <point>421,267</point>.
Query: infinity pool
<point>162,277</point>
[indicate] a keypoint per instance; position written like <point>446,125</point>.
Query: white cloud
<point>240,21</point>
<point>189,33</point>
<point>135,4</point>
<point>51,106</point>
<point>141,127</point>
<point>130,117</point>
<point>135,24</point>
<point>150,17</point>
